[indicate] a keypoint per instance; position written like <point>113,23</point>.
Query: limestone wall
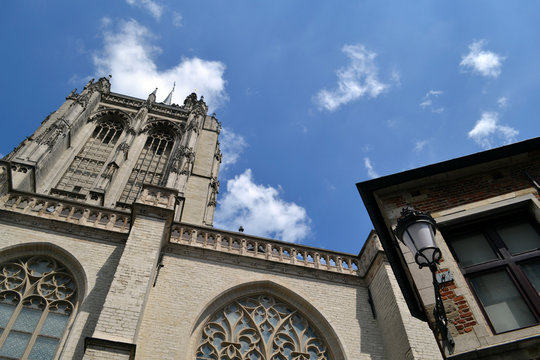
<point>98,259</point>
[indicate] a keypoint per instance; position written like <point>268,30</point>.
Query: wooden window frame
<point>504,261</point>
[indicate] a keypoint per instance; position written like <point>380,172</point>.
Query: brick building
<point>487,209</point>
<point>108,252</point>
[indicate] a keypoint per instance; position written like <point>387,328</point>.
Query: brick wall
<point>462,190</point>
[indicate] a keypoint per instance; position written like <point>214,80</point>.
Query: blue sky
<point>313,96</point>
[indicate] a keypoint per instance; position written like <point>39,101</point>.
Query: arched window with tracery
<point>37,300</point>
<point>151,163</point>
<point>260,327</point>
<point>81,176</point>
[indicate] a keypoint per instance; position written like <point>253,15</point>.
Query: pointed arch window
<point>260,327</point>
<point>37,300</point>
<point>151,164</point>
<point>82,174</point>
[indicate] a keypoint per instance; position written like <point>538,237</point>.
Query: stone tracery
<point>37,298</point>
<point>260,328</point>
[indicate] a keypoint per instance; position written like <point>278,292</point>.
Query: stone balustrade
<point>272,250</point>
<point>68,211</point>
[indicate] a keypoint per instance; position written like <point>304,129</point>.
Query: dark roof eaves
<point>450,165</point>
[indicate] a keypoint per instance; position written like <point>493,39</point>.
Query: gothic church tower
<point>100,148</point>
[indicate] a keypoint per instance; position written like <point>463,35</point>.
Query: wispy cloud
<point>420,145</point>
<point>152,7</point>
<point>357,80</point>
<point>232,146</point>
<point>251,205</point>
<point>177,19</point>
<point>488,133</point>
<point>369,167</point>
<point>502,102</point>
<point>483,62</point>
<point>128,54</point>
<point>428,101</point>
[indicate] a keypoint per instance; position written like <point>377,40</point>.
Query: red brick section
<point>460,315</point>
<point>464,190</point>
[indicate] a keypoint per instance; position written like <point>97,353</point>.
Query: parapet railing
<point>68,211</point>
<point>272,250</point>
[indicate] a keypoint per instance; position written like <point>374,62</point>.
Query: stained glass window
<point>260,328</point>
<point>37,297</point>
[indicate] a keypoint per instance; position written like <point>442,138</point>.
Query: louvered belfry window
<point>150,166</point>
<point>82,174</point>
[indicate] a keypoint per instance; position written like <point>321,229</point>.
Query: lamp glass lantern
<point>417,231</point>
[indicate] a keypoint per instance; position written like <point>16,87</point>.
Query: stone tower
<point>100,148</point>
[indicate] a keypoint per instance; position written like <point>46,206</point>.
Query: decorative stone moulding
<point>71,212</point>
<point>255,247</point>
<point>157,196</point>
<point>156,108</point>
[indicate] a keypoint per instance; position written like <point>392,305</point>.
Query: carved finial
<point>191,99</point>
<point>152,97</point>
<point>89,83</point>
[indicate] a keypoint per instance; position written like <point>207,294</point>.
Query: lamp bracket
<point>444,277</point>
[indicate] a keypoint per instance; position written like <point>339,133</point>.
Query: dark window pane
<point>532,270</point>
<point>519,237</point>
<point>473,249</point>
<point>43,349</point>
<point>502,302</point>
<point>15,345</point>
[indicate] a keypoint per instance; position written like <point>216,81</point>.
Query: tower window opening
<point>150,166</point>
<point>89,162</point>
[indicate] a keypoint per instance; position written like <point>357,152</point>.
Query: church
<point>108,251</point>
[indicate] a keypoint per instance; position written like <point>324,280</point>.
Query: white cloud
<point>424,104</point>
<point>128,55</point>
<point>232,145</point>
<point>357,80</point>
<point>485,63</point>
<point>261,211</point>
<point>369,167</point>
<point>420,145</point>
<point>152,7</point>
<point>427,101</point>
<point>502,102</point>
<point>487,131</point>
<point>177,19</point>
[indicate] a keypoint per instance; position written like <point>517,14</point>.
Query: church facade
<point>108,252</point>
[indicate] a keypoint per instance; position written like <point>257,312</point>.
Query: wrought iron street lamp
<point>417,231</point>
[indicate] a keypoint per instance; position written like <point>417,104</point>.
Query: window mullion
<point>154,154</point>
<point>10,323</point>
<point>528,291</point>
<point>139,166</point>
<point>473,269</point>
<point>32,340</point>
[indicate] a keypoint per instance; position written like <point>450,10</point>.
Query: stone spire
<point>168,100</point>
